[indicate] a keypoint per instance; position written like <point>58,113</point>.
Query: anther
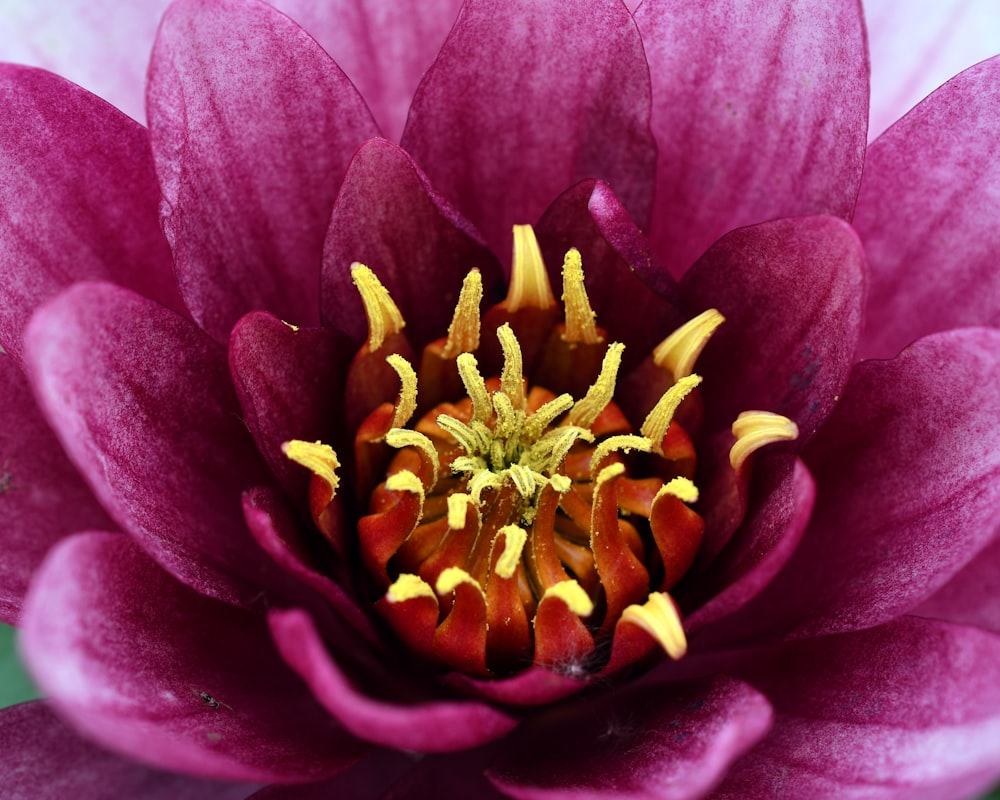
<point>407,402</point>
<point>680,350</point>
<point>463,333</point>
<point>601,392</point>
<point>475,386</point>
<point>384,317</point>
<point>681,488</point>
<point>580,317</point>
<point>754,429</point>
<point>658,420</point>
<point>573,595</point>
<point>659,618</point>
<point>625,442</point>
<point>512,376</point>
<point>318,458</point>
<point>529,282</point>
<point>514,540</point>
<point>407,587</point>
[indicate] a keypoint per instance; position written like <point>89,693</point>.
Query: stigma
<point>515,519</point>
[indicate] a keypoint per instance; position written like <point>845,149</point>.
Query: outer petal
<point>908,469</point>
<point>759,111</point>
<point>927,215</point>
<point>141,400</point>
<point>971,597</point>
<point>388,217</point>
<point>792,292</point>
<point>366,780</point>
<point>168,677</point>
<point>41,757</point>
<point>77,200</point>
<point>42,497</point>
<point>910,710</point>
<point>528,98</point>
<point>431,726</point>
<point>663,740</point>
<point>252,127</point>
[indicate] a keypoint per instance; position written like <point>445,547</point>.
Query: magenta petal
<point>142,401</point>
<point>79,199</point>
<point>972,596</point>
<point>168,677</point>
<point>389,218</point>
<point>759,111</point>
<point>528,98</point>
<point>432,726</point>
<point>908,710</point>
<point>908,470</point>
<point>927,215</point>
<point>792,292</point>
<point>457,775</point>
<point>252,127</point>
<point>40,757</point>
<point>663,740</point>
<point>42,496</point>
<point>366,780</point>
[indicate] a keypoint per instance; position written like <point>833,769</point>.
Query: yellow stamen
<point>659,618</point>
<point>408,587</point>
<point>754,429</point>
<point>317,457</point>
<point>512,376</point>
<point>589,408</point>
<point>384,318</point>
<point>458,505</point>
<point>679,487</point>
<point>529,283</point>
<point>294,328</point>
<point>561,483</point>
<point>463,333</point>
<point>523,479</point>
<point>624,442</point>
<point>406,404</point>
<point>475,386</point>
<point>405,481</point>
<point>546,414</point>
<point>678,352</point>
<point>580,317</point>
<point>451,578</point>
<point>656,423</point>
<point>610,472</point>
<point>572,594</point>
<point>404,437</point>
<point>514,539</point>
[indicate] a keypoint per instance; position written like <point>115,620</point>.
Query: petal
<point>42,497</point>
<point>79,199</point>
<point>41,757</point>
<point>432,726</point>
<point>914,53</point>
<point>791,292</point>
<point>759,111</point>
<point>908,710</point>
<point>526,99</point>
<point>927,215</point>
<point>972,597</point>
<point>907,470</point>
<point>366,780</point>
<point>168,677</point>
<point>389,218</point>
<point>455,775</point>
<point>665,740</point>
<point>142,402</point>
<point>252,127</point>
<point>385,48</point>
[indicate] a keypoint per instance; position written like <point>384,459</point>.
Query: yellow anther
<point>561,483</point>
<point>404,437</point>
<point>589,408</point>
<point>678,352</point>
<point>317,457</point>
<point>546,414</point>
<point>482,481</point>
<point>573,595</point>
<point>659,618</point>
<point>294,328</point>
<point>383,315</point>
<point>475,386</point>
<point>658,420</point>
<point>460,432</point>
<point>404,481</point>
<point>514,539</point>
<point>458,505</point>
<point>406,403</point>
<point>625,442</point>
<point>529,282</point>
<point>610,472</point>
<point>754,429</point>
<point>523,479</point>
<point>451,578</point>
<point>580,317</point>
<point>508,422</point>
<point>679,487</point>
<point>549,451</point>
<point>408,587</point>
<point>463,333</point>
<point>512,375</point>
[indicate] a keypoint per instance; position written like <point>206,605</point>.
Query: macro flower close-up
<point>499,398</point>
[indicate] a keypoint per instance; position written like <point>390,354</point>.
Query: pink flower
<point>203,607</point>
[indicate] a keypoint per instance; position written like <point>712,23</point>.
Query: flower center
<point>510,525</point>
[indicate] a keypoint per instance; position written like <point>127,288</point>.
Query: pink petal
<point>907,469</point>
<point>366,780</point>
<point>389,218</point>
<point>791,292</point>
<point>166,676</point>
<point>43,496</point>
<point>142,402</point>
<point>916,48</point>
<point>972,596</point>
<point>252,127</point>
<point>908,710</point>
<point>528,98</point>
<point>455,775</point>
<point>927,215</point>
<point>41,757</point>
<point>79,198</point>
<point>433,725</point>
<point>665,740</point>
<point>759,111</point>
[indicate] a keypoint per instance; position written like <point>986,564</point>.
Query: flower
<point>191,616</point>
